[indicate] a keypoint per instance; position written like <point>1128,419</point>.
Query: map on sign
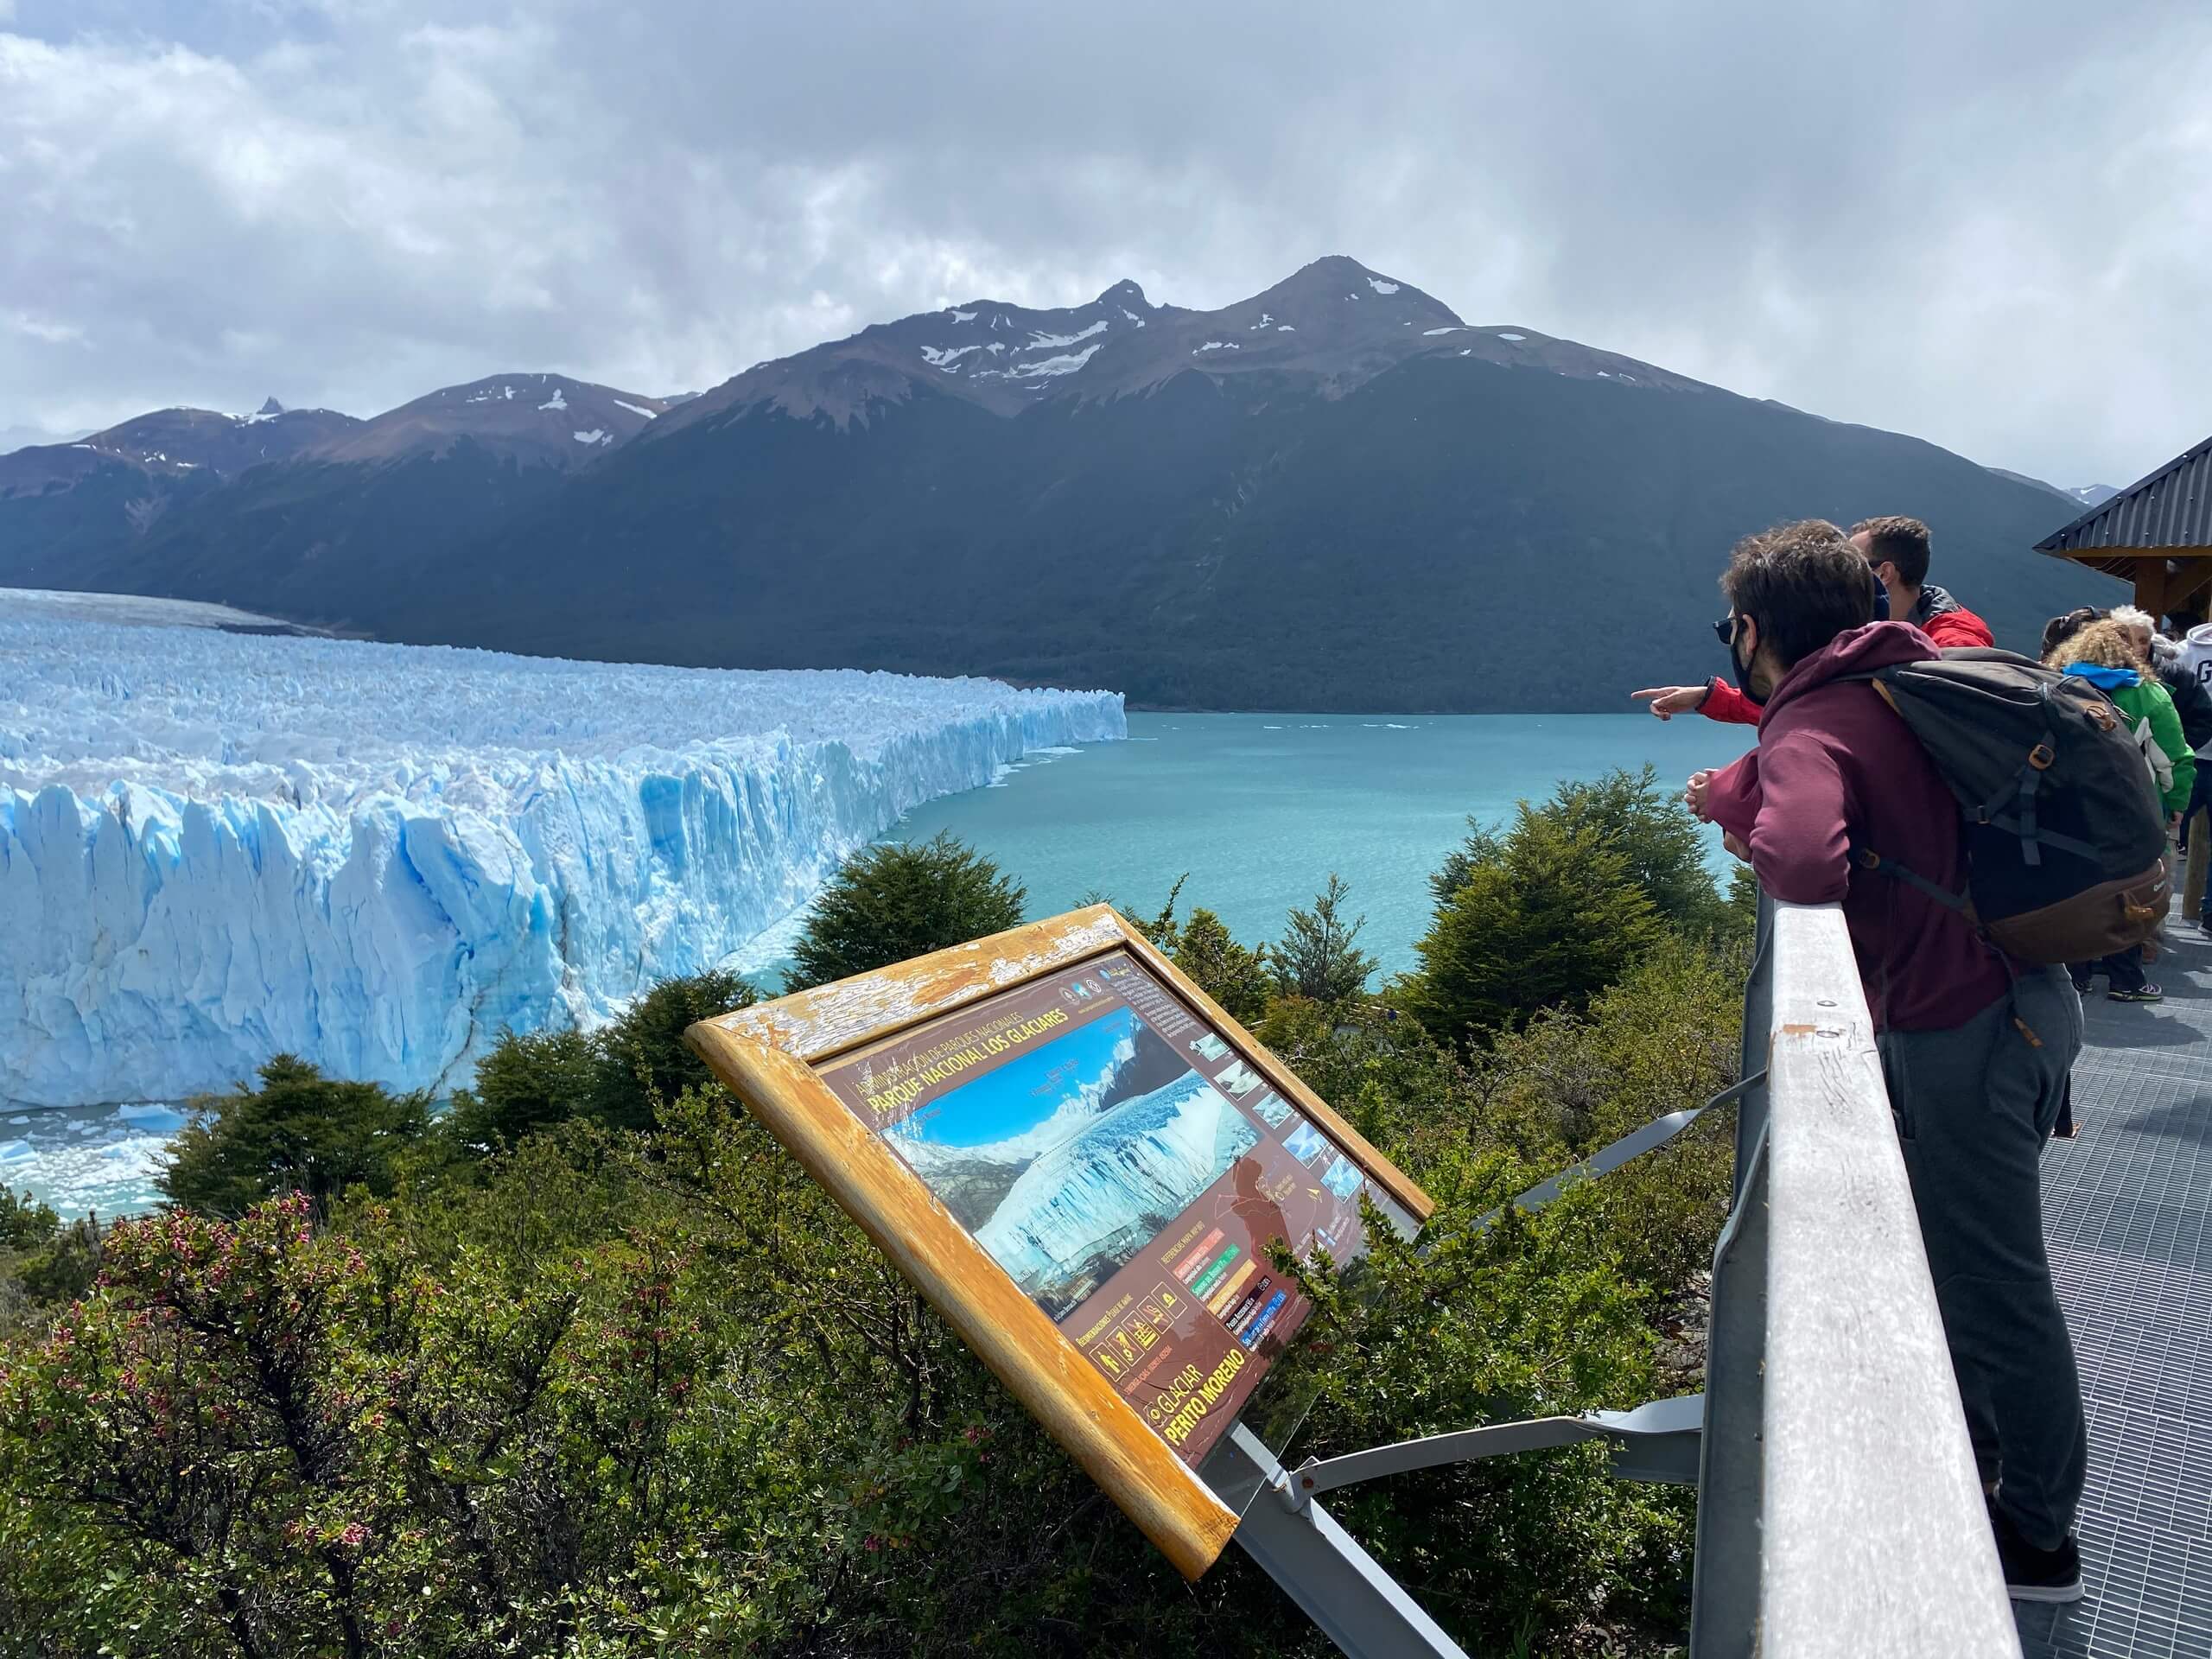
<point>1128,1169</point>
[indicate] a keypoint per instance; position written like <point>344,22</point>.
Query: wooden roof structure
<point>2156,533</point>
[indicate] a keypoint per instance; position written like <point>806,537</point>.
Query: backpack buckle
<point>2041,757</point>
<point>2100,715</point>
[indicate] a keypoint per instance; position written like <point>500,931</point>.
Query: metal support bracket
<point>1356,1605</point>
<point>1657,1441</point>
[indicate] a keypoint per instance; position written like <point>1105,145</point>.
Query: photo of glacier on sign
<point>217,845</point>
<point>1066,1162</point>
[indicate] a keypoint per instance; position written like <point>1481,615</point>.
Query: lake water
<point>1258,809</point>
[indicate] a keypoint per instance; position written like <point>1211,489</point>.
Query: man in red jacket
<point>1896,551</point>
<point>1974,1094</point>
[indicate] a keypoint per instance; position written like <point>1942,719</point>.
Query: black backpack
<point>2065,837</point>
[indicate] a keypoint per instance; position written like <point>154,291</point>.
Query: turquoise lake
<point>1259,809</point>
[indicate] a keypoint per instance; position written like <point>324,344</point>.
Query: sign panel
<point>1087,1167</point>
<point>1129,1169</point>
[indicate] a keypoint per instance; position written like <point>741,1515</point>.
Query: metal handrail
<point>1840,1512</point>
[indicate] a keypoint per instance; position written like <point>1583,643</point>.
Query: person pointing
<point>1897,550</point>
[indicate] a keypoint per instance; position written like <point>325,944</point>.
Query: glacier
<point>215,845</point>
<point>1087,1204</point>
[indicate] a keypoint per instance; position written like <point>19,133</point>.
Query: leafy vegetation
<point>897,900</point>
<point>589,1366</point>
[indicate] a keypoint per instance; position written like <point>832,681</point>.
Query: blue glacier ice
<point>1104,1190</point>
<point>214,845</point>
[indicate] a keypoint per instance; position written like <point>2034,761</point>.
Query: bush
<point>643,1061</point>
<point>25,1223</point>
<point>1546,917</point>
<point>1662,847</point>
<point>530,1081</point>
<point>1318,956</point>
<point>299,1131</point>
<point>897,900</point>
<point>619,1075</point>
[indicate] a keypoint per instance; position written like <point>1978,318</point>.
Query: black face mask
<point>1881,601</point>
<point>1743,673</point>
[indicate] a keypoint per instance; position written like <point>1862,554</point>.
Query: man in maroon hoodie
<point>1975,1049</point>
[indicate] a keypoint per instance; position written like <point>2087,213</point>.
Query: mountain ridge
<point>1332,494</point>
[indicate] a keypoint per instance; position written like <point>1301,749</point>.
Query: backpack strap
<point>1867,858</point>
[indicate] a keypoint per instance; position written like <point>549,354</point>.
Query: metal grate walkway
<point>2124,1208</point>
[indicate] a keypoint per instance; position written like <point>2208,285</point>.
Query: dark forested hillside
<point>1454,535</point>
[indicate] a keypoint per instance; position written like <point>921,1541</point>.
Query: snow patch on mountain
<point>1382,287</point>
<point>964,317</point>
<point>1217,345</point>
<point>1067,363</point>
<point>944,357</point>
<point>1516,339</point>
<point>650,414</point>
<point>1040,341</point>
<point>557,401</point>
<point>597,434</point>
<point>214,847</point>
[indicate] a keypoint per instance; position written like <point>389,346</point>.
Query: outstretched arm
<point>1715,700</point>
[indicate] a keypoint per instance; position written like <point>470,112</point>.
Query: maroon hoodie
<point>1836,768</point>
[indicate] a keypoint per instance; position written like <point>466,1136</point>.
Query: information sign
<point>1057,1121</point>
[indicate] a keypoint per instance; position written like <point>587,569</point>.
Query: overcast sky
<point>1988,222</point>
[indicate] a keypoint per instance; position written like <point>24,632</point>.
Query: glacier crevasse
<point>215,846</point>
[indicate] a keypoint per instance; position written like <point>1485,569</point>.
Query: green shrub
<point>1545,918</point>
<point>299,1131</point>
<point>900,899</point>
<point>643,1062</point>
<point>1318,956</point>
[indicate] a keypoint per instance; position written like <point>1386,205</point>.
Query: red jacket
<point>1936,614</point>
<point>1836,768</point>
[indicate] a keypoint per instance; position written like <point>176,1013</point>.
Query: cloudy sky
<point>1988,222</point>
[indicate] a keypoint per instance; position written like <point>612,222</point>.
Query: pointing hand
<point>1667,701</point>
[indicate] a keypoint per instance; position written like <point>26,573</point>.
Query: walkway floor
<point>2124,1211</point>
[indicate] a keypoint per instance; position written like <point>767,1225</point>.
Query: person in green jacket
<point>2104,654</point>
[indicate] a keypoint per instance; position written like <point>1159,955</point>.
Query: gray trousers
<point>1973,1107</point>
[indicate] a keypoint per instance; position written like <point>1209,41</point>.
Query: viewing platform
<point>2124,1210</point>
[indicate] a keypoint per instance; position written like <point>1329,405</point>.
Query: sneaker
<point>2141,994</point>
<point>2032,1574</point>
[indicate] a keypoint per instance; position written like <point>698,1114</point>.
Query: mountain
<point>62,504</point>
<point>336,528</point>
<point>2092,495</point>
<point>2034,483</point>
<point>1334,495</point>
<point>13,438</point>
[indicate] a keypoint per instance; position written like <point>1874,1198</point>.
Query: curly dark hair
<point>1901,542</point>
<point>2060,629</point>
<point>1805,583</point>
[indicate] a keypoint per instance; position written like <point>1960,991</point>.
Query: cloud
<point>1943,220</point>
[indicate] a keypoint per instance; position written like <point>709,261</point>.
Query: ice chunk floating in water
<point>214,847</point>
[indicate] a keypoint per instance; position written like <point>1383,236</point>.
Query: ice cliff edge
<point>214,847</point>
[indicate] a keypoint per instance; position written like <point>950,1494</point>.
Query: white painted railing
<point>1840,1512</point>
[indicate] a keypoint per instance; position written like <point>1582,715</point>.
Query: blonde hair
<point>2105,643</point>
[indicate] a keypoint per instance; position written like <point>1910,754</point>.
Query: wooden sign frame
<point>767,1055</point>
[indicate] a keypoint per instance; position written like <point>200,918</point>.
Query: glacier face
<point>215,846</point>
<point>1099,1196</point>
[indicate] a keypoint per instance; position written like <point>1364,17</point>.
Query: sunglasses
<point>1724,629</point>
